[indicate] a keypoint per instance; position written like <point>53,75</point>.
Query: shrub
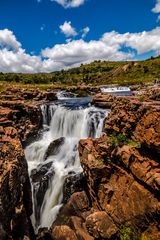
<point>128,233</point>
<point>120,140</point>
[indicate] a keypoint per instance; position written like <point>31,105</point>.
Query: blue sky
<point>47,29</point>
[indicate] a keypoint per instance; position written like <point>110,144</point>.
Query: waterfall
<point>55,155</point>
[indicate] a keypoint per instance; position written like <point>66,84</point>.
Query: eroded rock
<point>100,225</point>
<point>63,233</point>
<point>15,189</point>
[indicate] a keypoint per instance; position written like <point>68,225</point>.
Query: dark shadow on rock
<point>40,179</point>
<point>53,148</point>
<point>73,183</point>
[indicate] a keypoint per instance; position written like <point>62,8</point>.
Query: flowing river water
<point>55,155</point>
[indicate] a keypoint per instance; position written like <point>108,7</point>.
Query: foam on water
<point>73,125</point>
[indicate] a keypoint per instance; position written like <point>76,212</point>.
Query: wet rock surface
<point>40,179</point>
<point>73,183</point>
<point>53,148</point>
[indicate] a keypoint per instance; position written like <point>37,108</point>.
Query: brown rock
<point>147,131</point>
<point>53,147</point>
<point>63,233</point>
<point>103,100</point>
<point>124,199</point>
<point>100,225</point>
<point>51,96</point>
<point>142,167</point>
<point>15,190</point>
<point>152,233</point>
<point>26,118</point>
<point>17,121</point>
<point>95,170</point>
<point>123,177</point>
<point>3,234</point>
<point>77,224</point>
<point>25,94</point>
<point>44,234</point>
<point>77,206</point>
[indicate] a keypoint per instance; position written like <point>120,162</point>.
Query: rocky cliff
<point>122,168</point>
<point>20,118</point>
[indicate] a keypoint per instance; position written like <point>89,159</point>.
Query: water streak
<point>48,172</point>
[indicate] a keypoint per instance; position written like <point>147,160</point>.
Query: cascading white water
<point>48,173</point>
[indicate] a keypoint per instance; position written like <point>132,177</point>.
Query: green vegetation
<point>129,233</point>
<point>95,73</point>
<point>120,140</point>
<point>133,143</point>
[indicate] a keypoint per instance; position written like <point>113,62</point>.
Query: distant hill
<point>95,73</point>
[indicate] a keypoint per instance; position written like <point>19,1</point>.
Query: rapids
<point>55,155</point>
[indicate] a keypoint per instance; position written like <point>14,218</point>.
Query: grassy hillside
<point>96,73</point>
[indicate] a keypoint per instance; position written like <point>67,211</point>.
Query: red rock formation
<point>15,190</point>
<point>122,170</point>
<point>18,120</point>
<point>27,94</point>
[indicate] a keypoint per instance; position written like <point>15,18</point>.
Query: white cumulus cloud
<point>19,61</point>
<point>7,39</point>
<point>156,9</point>
<point>79,51</point>
<point>67,29</point>
<point>13,58</point>
<point>70,3</point>
<point>141,42</point>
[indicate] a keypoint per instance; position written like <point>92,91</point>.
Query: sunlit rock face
<point>15,188</point>
<point>20,119</point>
